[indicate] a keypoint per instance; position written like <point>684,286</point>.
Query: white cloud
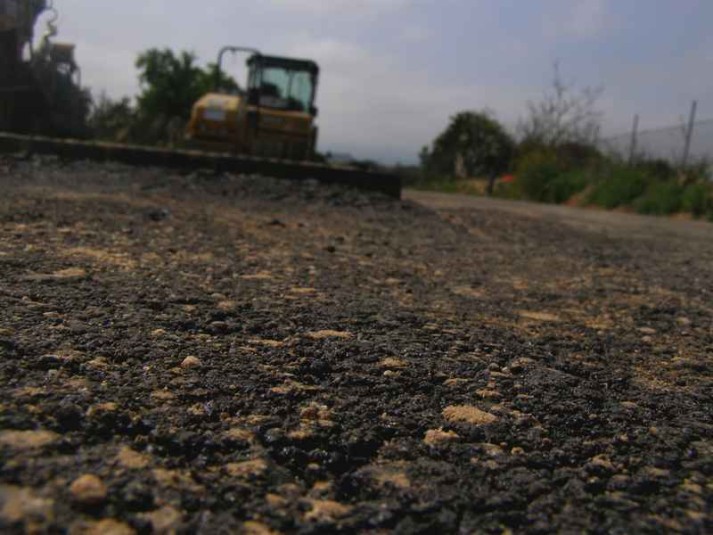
<point>107,69</point>
<point>587,18</point>
<point>415,34</point>
<point>341,7</point>
<point>580,19</point>
<point>371,106</point>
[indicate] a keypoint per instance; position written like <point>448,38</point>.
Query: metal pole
<point>634,134</point>
<point>689,134</point>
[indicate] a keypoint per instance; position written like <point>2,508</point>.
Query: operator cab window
<point>286,89</point>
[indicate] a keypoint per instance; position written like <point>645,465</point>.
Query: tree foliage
<point>112,120</point>
<point>563,116</point>
<point>474,144</point>
<point>170,83</point>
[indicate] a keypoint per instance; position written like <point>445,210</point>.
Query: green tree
<point>171,83</point>
<point>562,116</point>
<point>474,144</point>
<point>112,120</point>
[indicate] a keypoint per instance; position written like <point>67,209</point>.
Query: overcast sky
<point>393,71</point>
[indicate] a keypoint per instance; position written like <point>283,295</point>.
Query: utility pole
<point>689,134</point>
<point>634,134</point>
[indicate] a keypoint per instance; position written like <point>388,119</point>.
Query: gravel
<point>226,353</point>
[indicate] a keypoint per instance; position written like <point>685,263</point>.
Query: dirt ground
<point>223,354</point>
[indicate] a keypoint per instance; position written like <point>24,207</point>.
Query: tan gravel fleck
<point>247,469</point>
<point>315,412</point>
<point>88,490</point>
<point>27,440</point>
<point>261,276</point>
<point>393,363</point>
<point>301,433</point>
<point>164,521</point>
<point>538,316</point>
<point>227,306</point>
<point>240,434</point>
<point>319,335</point>
<point>266,343</point>
<point>438,436</point>
<point>162,395</point>
<point>487,393</point>
<point>62,274</point>
<point>303,291</point>
<point>176,479</point>
<point>197,409</point>
<point>98,363</point>
<point>492,450</point>
<point>467,414</point>
<point>467,291</point>
<point>455,381</point>
<point>290,386</point>
<point>191,362</point>
<point>252,527</point>
<point>19,504</point>
<point>100,408</point>
<point>275,501</point>
<point>131,459</point>
<point>652,471</point>
<point>327,511</point>
<point>108,526</point>
<point>602,461</point>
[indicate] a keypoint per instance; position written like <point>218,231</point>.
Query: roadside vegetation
<point>170,83</point>
<point>553,157</point>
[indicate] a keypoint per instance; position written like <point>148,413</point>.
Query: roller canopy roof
<point>287,63</point>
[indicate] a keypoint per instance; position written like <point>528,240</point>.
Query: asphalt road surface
<point>237,354</point>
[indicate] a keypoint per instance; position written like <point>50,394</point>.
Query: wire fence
<point>668,143</point>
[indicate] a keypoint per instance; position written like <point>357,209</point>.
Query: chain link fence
<point>668,143</point>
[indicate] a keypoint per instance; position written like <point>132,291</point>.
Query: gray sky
<point>393,71</point>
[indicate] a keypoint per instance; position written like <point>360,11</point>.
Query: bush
<point>697,199</point>
<point>565,186</point>
<point>507,190</point>
<point>474,145</point>
<point>661,198</point>
<point>542,175</point>
<point>656,169</point>
<point>535,172</point>
<point>619,186</point>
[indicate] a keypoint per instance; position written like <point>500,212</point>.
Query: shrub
<point>660,198</point>
<point>543,175</point>
<point>697,199</point>
<point>565,185</point>
<point>657,169</point>
<point>507,190</point>
<point>619,186</point>
<point>535,173</point>
<point>473,145</point>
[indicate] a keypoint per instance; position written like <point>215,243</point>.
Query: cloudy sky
<point>393,71</point>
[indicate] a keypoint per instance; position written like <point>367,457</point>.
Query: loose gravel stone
<point>191,362</point>
<point>88,490</point>
<point>434,437</point>
<point>27,440</point>
<point>467,414</point>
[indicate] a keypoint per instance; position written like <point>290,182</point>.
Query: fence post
<point>634,134</point>
<point>689,134</point>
